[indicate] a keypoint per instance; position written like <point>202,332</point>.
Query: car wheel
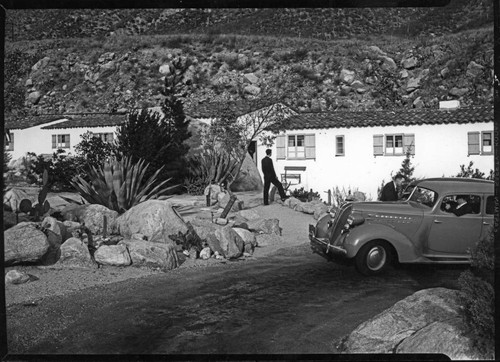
<point>373,258</point>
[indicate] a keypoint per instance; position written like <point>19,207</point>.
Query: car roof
<point>457,184</point>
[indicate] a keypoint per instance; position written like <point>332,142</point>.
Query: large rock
<point>116,255</point>
<point>252,89</point>
<point>306,208</point>
<point>251,78</point>
<point>389,63</point>
<point>391,328</point>
<point>231,243</point>
<point>150,218</point>
<point>292,202</point>
<point>474,69</point>
<point>42,63</point>
<point>152,255</point>
<point>458,92</point>
<point>413,83</point>
<point>347,76</point>
<point>203,227</point>
<point>92,215</point>
<point>248,214</point>
<point>34,97</point>
<point>266,226</point>
<point>57,231</point>
<point>75,253</point>
<point>237,206</point>
<point>249,239</point>
<point>13,197</point>
<point>249,178</point>
<point>214,243</point>
<point>24,243</point>
<point>409,63</point>
<point>319,210</point>
<point>16,277</point>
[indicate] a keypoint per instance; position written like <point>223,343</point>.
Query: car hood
<point>395,207</point>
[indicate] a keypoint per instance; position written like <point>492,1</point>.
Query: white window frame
<point>396,151</point>
<point>292,152</point>
<point>489,150</point>
<point>341,138</point>
<point>61,141</point>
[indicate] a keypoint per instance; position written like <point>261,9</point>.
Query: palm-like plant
<point>119,185</point>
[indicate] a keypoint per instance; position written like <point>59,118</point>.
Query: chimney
<point>449,104</point>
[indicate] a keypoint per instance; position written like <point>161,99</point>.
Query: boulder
<point>164,69</point>
<point>71,227</point>
<point>151,217</point>
<point>474,70</point>
<point>214,244</point>
<point>376,50</point>
<point>444,337</point>
<point>58,232</point>
<point>214,192</point>
<point>42,63</point>
<point>231,243</point>
<point>248,214</point>
<point>249,239</point>
<point>13,197</point>
<point>34,97</point>
<point>346,76</point>
<point>237,206</point>
<point>409,63</point>
<point>404,74</point>
<point>252,89</point>
<point>345,90</point>
<point>92,215</point>
<point>320,210</point>
<point>444,72</point>
<point>390,329</point>
<point>24,242</point>
<point>116,255</point>
<point>240,222</point>
<point>249,178</point>
<point>418,103</point>
<point>292,202</point>
<point>75,253</point>
<point>388,63</point>
<point>413,83</point>
<point>203,227</point>
<point>305,207</point>
<point>265,226</point>
<point>251,78</point>
<point>16,277</point>
<point>458,92</point>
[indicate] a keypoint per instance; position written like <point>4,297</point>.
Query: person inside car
<point>461,208</point>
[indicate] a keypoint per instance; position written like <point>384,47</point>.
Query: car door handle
<point>437,222</point>
<point>485,223</point>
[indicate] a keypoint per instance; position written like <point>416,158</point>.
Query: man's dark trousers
<point>267,184</point>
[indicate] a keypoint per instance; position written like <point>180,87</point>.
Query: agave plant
<point>119,185</point>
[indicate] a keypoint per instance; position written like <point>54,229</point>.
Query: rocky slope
<point>103,73</point>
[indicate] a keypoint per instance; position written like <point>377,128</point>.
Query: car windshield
<point>407,192</point>
<point>423,196</point>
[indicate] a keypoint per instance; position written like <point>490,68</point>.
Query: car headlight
<point>355,219</point>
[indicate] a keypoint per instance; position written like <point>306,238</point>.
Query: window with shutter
<point>409,143</point>
<point>281,147</point>
<point>487,143</point>
<point>54,141</point>
<point>378,145</point>
<point>310,143</point>
<point>473,143</point>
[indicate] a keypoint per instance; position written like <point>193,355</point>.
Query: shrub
<point>94,150</point>
<point>304,195</point>
<point>61,167</point>
<point>477,296</point>
<point>119,185</point>
<point>470,172</point>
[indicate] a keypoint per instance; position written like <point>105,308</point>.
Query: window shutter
<point>473,143</point>
<point>378,145</point>
<point>54,141</point>
<point>409,142</point>
<point>310,144</point>
<point>67,141</point>
<point>280,147</point>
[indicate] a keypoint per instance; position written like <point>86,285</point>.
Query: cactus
<point>38,210</point>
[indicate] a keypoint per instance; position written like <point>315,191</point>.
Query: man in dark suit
<point>270,178</point>
<point>390,190</point>
<point>461,208</point>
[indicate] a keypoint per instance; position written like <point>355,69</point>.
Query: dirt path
<point>283,300</point>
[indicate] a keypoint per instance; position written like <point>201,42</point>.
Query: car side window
<point>490,205</point>
<point>453,203</point>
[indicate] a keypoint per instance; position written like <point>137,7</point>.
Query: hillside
<point>92,70</point>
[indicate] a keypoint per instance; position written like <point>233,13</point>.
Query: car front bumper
<point>323,247</point>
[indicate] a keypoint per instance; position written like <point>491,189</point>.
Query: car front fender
<point>406,250</point>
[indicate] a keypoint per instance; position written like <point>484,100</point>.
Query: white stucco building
<point>358,150</point>
<point>45,134</point>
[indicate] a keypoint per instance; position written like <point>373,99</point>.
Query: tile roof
<point>213,109</point>
<point>90,120</point>
<point>400,117</point>
<point>23,122</point>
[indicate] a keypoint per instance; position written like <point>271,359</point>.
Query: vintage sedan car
<point>422,228</point>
